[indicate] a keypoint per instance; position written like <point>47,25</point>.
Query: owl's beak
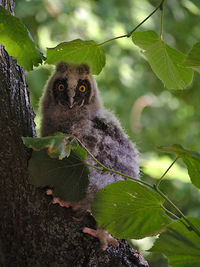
<point>71,102</point>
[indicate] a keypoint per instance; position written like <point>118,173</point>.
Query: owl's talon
<point>104,237</point>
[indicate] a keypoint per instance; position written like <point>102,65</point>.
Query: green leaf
<point>58,146</point>
<point>145,39</point>
<point>193,58</point>
<point>78,51</point>
<point>15,37</point>
<point>190,158</point>
<point>129,210</point>
<point>69,177</point>
<point>181,246</point>
<point>164,60</point>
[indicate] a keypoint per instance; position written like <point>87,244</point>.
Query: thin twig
<point>160,5</point>
<point>161,178</point>
<point>175,217</point>
<point>131,32</point>
<point>9,9</point>
<point>162,18</point>
<point>112,39</point>
<point>170,213</point>
<point>95,167</point>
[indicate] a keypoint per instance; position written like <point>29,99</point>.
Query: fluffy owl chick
<point>71,104</point>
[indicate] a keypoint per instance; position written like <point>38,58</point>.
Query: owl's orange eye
<point>61,87</point>
<point>82,88</point>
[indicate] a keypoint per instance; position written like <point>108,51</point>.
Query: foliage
<point>164,60</point>
<point>58,146</point>
<point>169,114</point>
<point>58,162</point>
<point>78,51</point>
<point>129,210</point>
<point>16,39</point>
<point>193,58</point>
<point>180,245</point>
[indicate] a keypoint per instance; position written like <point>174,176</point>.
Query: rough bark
<point>33,232</point>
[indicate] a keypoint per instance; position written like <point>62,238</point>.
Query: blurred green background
<point>150,114</point>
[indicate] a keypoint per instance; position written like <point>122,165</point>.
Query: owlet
<point>71,104</point>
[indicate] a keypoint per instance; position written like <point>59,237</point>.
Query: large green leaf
<point>69,177</point>
<point>180,245</point>
<point>58,161</point>
<point>190,158</point>
<point>129,210</point>
<point>193,58</point>
<point>78,51</point>
<point>165,61</point>
<point>15,37</point>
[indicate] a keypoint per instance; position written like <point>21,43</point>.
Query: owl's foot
<point>57,200</point>
<point>104,237</point>
<point>80,205</point>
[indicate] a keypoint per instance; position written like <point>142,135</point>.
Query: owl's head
<point>72,87</point>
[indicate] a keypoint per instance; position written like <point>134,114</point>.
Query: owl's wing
<point>111,146</point>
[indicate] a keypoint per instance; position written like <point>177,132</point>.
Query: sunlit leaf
<point>15,37</point>
<point>164,60</point>
<point>193,58</point>
<point>190,158</point>
<point>180,245</point>
<point>129,210</point>
<point>69,177</point>
<point>78,51</point>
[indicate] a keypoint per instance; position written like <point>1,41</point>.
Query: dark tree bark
<point>33,232</point>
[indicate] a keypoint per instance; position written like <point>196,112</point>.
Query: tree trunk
<point>33,232</point>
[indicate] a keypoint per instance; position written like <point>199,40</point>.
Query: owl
<point>71,104</point>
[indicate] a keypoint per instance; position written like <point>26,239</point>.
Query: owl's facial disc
<point>71,97</point>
